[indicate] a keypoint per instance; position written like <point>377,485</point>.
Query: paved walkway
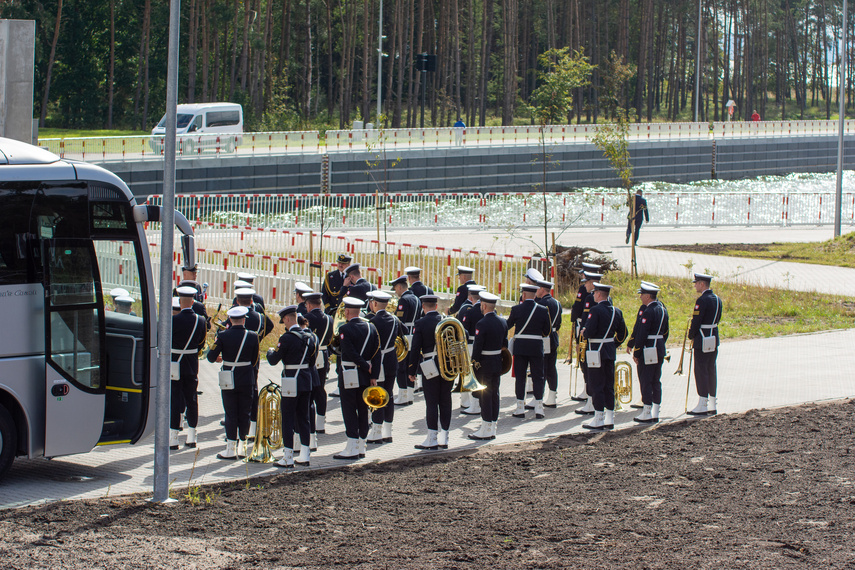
<point>752,374</point>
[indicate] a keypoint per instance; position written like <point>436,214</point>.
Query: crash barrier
<point>147,147</point>
<point>595,209</point>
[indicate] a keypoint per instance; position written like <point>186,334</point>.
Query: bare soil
<point>716,248</point>
<point>764,489</point>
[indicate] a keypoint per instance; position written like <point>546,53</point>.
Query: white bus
<point>73,373</point>
<point>201,126</point>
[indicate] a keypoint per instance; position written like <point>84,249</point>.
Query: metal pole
<point>841,96</point>
<point>424,79</point>
<point>379,62</point>
<point>698,65</point>
<point>164,321</point>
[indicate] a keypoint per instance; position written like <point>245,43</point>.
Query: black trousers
<point>629,230</point>
<point>295,417</point>
<point>650,381</point>
<point>403,378</point>
<point>237,404</point>
<point>489,396</point>
<point>184,398</point>
<point>522,362</point>
<point>318,399</point>
<point>706,378</point>
<point>550,369</point>
<point>253,413</point>
<point>354,412</point>
<point>437,402</point>
<point>387,412</point>
<point>601,385</point>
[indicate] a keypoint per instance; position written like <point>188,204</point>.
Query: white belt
<point>601,340</point>
<point>236,364</point>
<point>387,350</point>
<point>554,329</point>
<point>709,326</point>
<point>410,324</point>
<point>429,355</point>
<point>491,352</point>
<point>323,347</point>
<point>296,366</point>
<point>347,363</point>
<point>529,336</point>
<point>179,351</point>
<point>655,336</point>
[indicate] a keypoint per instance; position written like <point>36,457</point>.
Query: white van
<point>216,126</point>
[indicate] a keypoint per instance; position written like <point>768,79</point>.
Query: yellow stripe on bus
<point>113,442</point>
<point>131,390</point>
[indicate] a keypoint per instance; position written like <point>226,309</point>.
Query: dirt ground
<point>715,248</point>
<point>765,489</point>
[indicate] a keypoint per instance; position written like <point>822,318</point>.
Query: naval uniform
<point>239,349</point>
<point>360,289</point>
<point>587,305</point>
<point>491,334</point>
<point>461,297</point>
<point>550,348</point>
<point>532,324</point>
<point>322,325</point>
<point>359,347</point>
<point>256,300</point>
<point>469,316</point>
<point>419,289</point>
<point>605,331</point>
<point>333,291</point>
<point>705,319</point>
<point>261,325</point>
<point>407,312</point>
<point>297,350</point>
<point>388,328</point>
<point>651,329</point>
<point>437,391</point>
<point>188,336</point>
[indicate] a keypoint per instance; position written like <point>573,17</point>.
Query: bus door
<point>74,347</point>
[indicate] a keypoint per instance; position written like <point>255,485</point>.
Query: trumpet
<point>679,370</point>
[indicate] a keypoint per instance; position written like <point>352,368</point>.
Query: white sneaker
<point>430,443</point>
<point>287,460</point>
<point>538,410</point>
<point>230,452</point>
<point>375,434</point>
<point>597,423</point>
<point>609,419</point>
<point>484,432</point>
<point>173,439</point>
<point>442,439</point>
<point>654,412</point>
<point>520,411</point>
<point>361,447</point>
<point>304,457</point>
<point>351,450</point>
<point>191,437</point>
<point>645,416</point>
<point>474,409</point>
<point>386,432</point>
<point>320,423</point>
<point>550,401</point>
<point>711,410</point>
<point>700,409</point>
<point>313,441</point>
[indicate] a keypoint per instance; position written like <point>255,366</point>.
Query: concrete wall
<point>17,61</point>
<point>504,169</point>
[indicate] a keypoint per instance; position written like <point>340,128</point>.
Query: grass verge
<point>76,133</point>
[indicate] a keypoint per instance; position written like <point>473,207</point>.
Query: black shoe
<point>581,413</point>
<point>539,416</point>
<point>470,413</point>
<point>529,407</point>
<point>173,448</point>
<point>375,441</point>
<point>426,447</point>
<point>301,463</point>
<point>404,404</point>
<point>417,390</point>
<point>712,412</point>
<point>222,422</point>
<point>637,406</point>
<point>608,426</point>
<point>283,466</point>
<point>338,456</point>
<point>387,440</point>
<point>550,405</point>
<point>699,414</point>
<point>578,399</point>
<point>593,428</point>
<point>190,445</point>
<point>650,421</point>
<point>219,456</point>
<point>478,438</point>
<point>520,416</point>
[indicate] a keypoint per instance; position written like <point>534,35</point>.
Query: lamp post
<point>841,96</point>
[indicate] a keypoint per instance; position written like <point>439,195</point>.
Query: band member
<point>322,325</point>
<point>117,292</point>
<point>647,347</point>
<point>437,390</point>
<point>702,331</point>
<point>550,342</point>
<point>532,276</point>
<point>355,283</point>
<point>389,328</point>
<point>491,334</point>
<point>531,324</point>
<point>123,304</point>
<point>297,351</point>
<point>198,306</point>
<point>414,276</point>
<point>576,312</point>
<point>300,290</point>
<point>605,330</point>
<point>407,311</point>
<point>257,300</point>
<point>249,278</point>
<point>469,315</point>
<point>358,367</point>
<point>237,349</point>
<point>188,336</point>
<point>261,325</point>
<point>590,281</point>
<point>333,289</point>
<point>464,277</point>
<point>189,273</point>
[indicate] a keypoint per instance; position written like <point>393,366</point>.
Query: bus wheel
<point>8,441</point>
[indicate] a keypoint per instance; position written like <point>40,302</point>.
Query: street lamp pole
<point>841,97</point>
<point>698,65</point>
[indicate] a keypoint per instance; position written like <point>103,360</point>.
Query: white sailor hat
<point>488,297</point>
<point>248,277</point>
<point>534,274</point>
<point>412,270</point>
<point>351,268</point>
<point>463,269</point>
<point>544,284</point>
<point>353,303</point>
<point>429,299</point>
<point>527,287</point>
<point>237,312</point>
<point>702,277</point>
<point>189,282</point>
<point>241,284</point>
<point>176,303</point>
<point>128,300</point>
<point>380,296</point>
<point>603,287</point>
<point>591,276</point>
<point>311,295</point>
<point>186,291</point>
<point>400,280</point>
<point>118,292</point>
<point>590,266</point>
<point>647,287</point>
<point>287,310</point>
<point>244,292</point>
<point>475,288</point>
<point>301,287</point>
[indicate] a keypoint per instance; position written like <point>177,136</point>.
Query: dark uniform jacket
<point>554,308</point>
<point>182,327</point>
<point>648,324</point>
<point>640,210</point>
<point>199,309</point>
<point>296,351</point>
<point>256,300</point>
<point>360,289</point>
<point>586,308</point>
<point>531,342</point>
<point>388,328</point>
<point>259,323</point>
<point>322,325</point>
<point>332,291</point>
<point>424,341</point>
<point>352,335</point>
<point>419,289</point>
<point>707,312</point>
<point>630,343</point>
<point>491,334</point>
<point>599,327</point>
<point>408,310</point>
<point>470,315</point>
<point>579,304</point>
<point>461,297</point>
<point>227,344</point>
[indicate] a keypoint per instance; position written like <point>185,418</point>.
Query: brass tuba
<point>375,397</point>
<point>402,348</point>
<point>623,384</point>
<point>452,349</point>
<point>268,434</point>
<point>338,320</point>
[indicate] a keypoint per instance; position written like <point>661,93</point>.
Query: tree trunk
<point>510,32</point>
<point>111,73</point>
<point>51,60</point>
<point>192,40</point>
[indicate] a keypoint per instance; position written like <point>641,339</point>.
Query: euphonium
<point>375,397</point>
<point>337,322</point>
<point>452,351</point>
<point>402,348</point>
<point>268,434</point>
<point>679,370</point>
<point>623,383</point>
